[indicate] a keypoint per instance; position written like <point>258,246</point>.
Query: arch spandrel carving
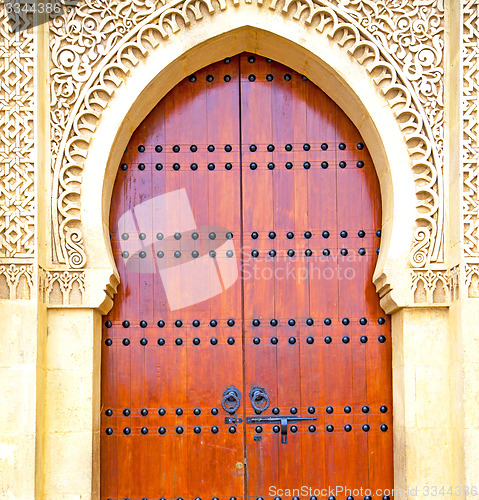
<point>89,66</point>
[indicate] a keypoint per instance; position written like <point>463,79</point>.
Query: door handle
<point>231,399</point>
<point>259,399</point>
<point>283,421</point>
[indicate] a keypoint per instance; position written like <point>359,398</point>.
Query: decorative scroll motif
<point>16,281</point>
<point>17,204</point>
<point>63,287</point>
<point>397,41</point>
<point>470,146</point>
<point>431,287</point>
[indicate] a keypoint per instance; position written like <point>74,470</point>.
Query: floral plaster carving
<point>399,43</point>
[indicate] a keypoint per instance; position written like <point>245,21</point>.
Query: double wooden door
<point>246,355</point>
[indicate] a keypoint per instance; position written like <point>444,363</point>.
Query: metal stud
<point>271,165</point>
<point>329,428</point>
<point>231,322</point>
<point>226,61</point>
<point>196,341</point>
<point>291,322</point>
<point>213,323</point>
<point>108,324</point>
<point>126,324</point>
<point>161,430</point>
<point>310,340</point>
<point>196,323</point>
<point>288,165</point>
<point>256,340</point>
<point>290,235</point>
<point>365,409</point>
<point>256,322</point>
<point>160,254</point>
<point>144,430</point>
<point>195,235</point>
<point>327,321</point>
<point>293,410</point>
<point>229,235</point>
<point>214,429</point>
<point>362,251</point>
<point>227,78</point>
<point>251,59</point>
<point>311,410</point>
<point>143,341</point>
<point>179,430</point>
<point>213,341</point>
<point>383,409</point>
<point>349,497</point>
<point>232,429</point>
<point>347,409</point>
<point>360,145</point>
<point>161,341</point>
<point>197,430</point>
<point>108,342</point>
<point>254,235</point>
<point>290,252</point>
<point>142,254</point>
<point>274,322</point>
<point>345,339</point>
<point>324,146</point>
<point>126,431</point>
<point>274,340</point>
<point>231,340</point>
<point>228,148</point>
<point>342,164</point>
<point>348,428</point>
<point>308,252</point>
<point>253,148</point>
<point>342,146</point>
<point>126,412</point>
<point>258,429</point>
<point>308,235</point>
<point>270,148</point>
<point>214,411</point>
<point>307,165</point>
<point>329,410</point>
<point>287,77</point>
<point>158,148</point>
<point>142,236</point>
<point>178,323</point>
<point>382,339</point>
<point>275,410</point>
<point>272,253</point>
<point>211,166</point>
<point>360,164</point>
<point>328,340</point>
<point>194,166</point>
<point>363,339</point>
<point>345,321</point>
<point>288,147</point>
<point>292,340</point>
<point>378,233</point>
<point>344,252</point>
<point>124,166</point>
<point>162,412</point>
<point>141,148</point>
<point>326,252</point>
<point>381,321</point>
<point>176,166</point>
<point>141,166</point>
<point>384,428</point>
<point>210,78</point>
<point>269,77</point>
<point>159,236</point>
<point>255,253</point>
<point>324,164</point>
<point>253,165</point>
<point>109,412</point>
<point>197,411</point>
<point>361,233</point>
<point>109,431</point>
<point>366,428</point>
<point>310,322</point>
<point>306,147</point>
<point>126,342</point>
<point>178,341</point>
<point>192,78</point>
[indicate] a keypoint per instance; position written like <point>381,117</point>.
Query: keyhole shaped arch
<point>316,56</point>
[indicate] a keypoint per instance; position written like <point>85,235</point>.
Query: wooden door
<point>245,224</point>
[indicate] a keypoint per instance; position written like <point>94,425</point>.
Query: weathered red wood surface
<point>296,218</point>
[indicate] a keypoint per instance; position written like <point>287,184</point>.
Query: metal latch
<point>233,420</point>
<point>283,421</point>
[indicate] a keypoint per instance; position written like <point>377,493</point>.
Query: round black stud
<point>348,428</point>
<point>329,428</point>
<point>276,429</point>
<point>313,498</point>
<point>197,430</point>
<point>288,165</point>
<point>271,165</point>
<point>274,340</point>
<point>179,411</point>
<point>211,148</point>
<point>141,148</point>
<point>229,253</point>
<point>214,411</point>
<point>327,321</point>
<point>363,321</point>
<point>256,340</point>
<point>214,429</point>
<point>342,146</point>
<point>142,254</point>
<point>210,78</point>
<point>345,321</point>
<point>231,322</point>
<point>126,324</point>
<point>196,341</point>
<point>329,410</point>
<point>383,409</point>
<point>126,412</point>
<point>159,236</point>
<point>254,235</point>
<point>343,234</point>
<point>292,340</point>
<point>378,233</point>
<point>365,409</point>
<point>287,77</point>
<point>270,148</point>
<point>229,235</point>
<point>360,145</point>
<point>232,429</point>
<point>253,165</point>
<point>294,429</point>
<point>251,59</point>
<point>360,164</point>
<point>176,166</point>
<point>328,340</point>
<point>325,234</point>
<point>347,409</point>
<point>349,497</point>
<point>307,165</point>
<point>331,498</point>
<point>342,164</point>
<point>226,61</point>
<point>308,234</point>
<point>366,428</point>
<point>362,251</point>
<point>194,166</point>
<point>124,166</point>
<point>258,429</point>
<point>160,254</point>
<point>109,431</point>
<point>310,340</point>
<point>179,430</point>
<point>178,323</point>
<point>178,341</point>
<point>162,412</point>
<point>381,321</point>
<point>143,341</point>
<point>141,166</point>
<point>158,148</point>
<point>361,233</point>
<point>269,77</point>
<point>255,253</point>
<point>197,411</point>
<point>161,324</point>
<point>308,252</point>
<point>196,323</point>
<point>272,235</point>
<point>344,252</point>
<point>363,339</point>
<point>311,410</point>
<point>143,323</point>
<point>288,147</point>
<point>345,339</point>
<point>193,148</point>
<point>109,412</point>
<point>384,428</point>
<point>377,251</point>
<point>231,340</point>
<point>324,164</point>
<point>144,430</point>
<point>306,147</point>
<point>293,410</point>
<point>274,322</point>
<point>161,341</point>
<point>291,322</point>
<point>108,342</point>
<point>275,410</point>
<point>324,146</point>
<point>227,78</point>
<point>256,322</point>
<point>290,235</point>
<point>213,341</point>
<point>326,252</point>
<point>211,166</point>
<point>310,321</point>
<point>195,254</point>
<point>253,148</point>
<point>213,323</point>
<point>126,431</point>
<point>161,430</point>
<point>108,324</point>
<point>142,236</point>
<point>176,148</point>
<point>192,78</point>
<point>125,342</point>
<point>251,78</point>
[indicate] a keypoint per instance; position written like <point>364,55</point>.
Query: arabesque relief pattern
<point>399,43</point>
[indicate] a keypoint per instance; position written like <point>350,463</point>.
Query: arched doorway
<point>244,222</point>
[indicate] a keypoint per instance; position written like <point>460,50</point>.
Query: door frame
<point>76,332</point>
